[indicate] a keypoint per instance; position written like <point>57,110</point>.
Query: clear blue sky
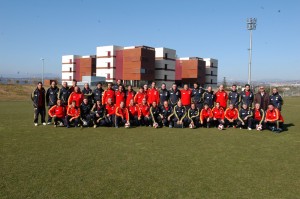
<point>33,29</point>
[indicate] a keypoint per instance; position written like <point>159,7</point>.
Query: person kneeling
<point>73,114</point>
<point>99,114</point>
<point>205,116</point>
<point>58,112</point>
<point>231,116</point>
<point>193,116</point>
<point>245,118</point>
<point>218,116</point>
<point>85,113</point>
<point>258,118</point>
<point>155,118</point>
<point>144,113</point>
<point>180,120</point>
<point>274,120</point>
<point>122,116</point>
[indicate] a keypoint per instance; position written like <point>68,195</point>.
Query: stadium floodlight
<point>251,25</point>
<point>43,60</point>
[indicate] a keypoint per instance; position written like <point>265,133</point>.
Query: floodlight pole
<point>43,70</point>
<point>251,25</point>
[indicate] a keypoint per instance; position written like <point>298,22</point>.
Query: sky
<point>32,29</point>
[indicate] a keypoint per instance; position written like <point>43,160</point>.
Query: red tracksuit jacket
<point>59,111</point>
<point>144,110</point>
<point>110,109</point>
<point>122,112</point>
<point>120,97</point>
<point>274,115</point>
<point>139,97</point>
<point>74,112</point>
<point>109,93</point>
<point>231,114</point>
<point>129,96</point>
<point>78,97</point>
<point>186,97</point>
<point>221,97</point>
<point>133,110</point>
<point>205,113</point>
<point>153,96</point>
<point>218,113</point>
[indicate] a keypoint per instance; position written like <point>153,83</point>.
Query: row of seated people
<point>179,116</point>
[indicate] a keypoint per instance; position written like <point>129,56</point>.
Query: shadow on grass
<point>286,126</point>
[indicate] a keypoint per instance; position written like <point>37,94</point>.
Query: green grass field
<point>47,162</point>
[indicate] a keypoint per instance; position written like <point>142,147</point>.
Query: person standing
<point>51,98</point>
<point>234,96</point>
<point>221,97</point>
<point>276,99</point>
<point>186,95</point>
<point>120,96</point>
<point>88,93</point>
<point>197,96</point>
<point>138,98</point>
<point>129,95</point>
<point>76,96</point>
<point>262,98</point>
<point>152,94</point>
<point>164,94</point>
<point>97,93</point>
<point>64,94</point>
<point>247,97</point>
<point>39,105</point>
<point>175,95</point>
<point>209,97</point>
<point>108,93</point>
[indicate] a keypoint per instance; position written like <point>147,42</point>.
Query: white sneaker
<point>249,128</point>
<point>35,124</point>
<point>55,125</point>
<point>49,123</point>
<point>95,126</point>
<point>44,123</point>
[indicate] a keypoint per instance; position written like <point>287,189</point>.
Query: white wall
<point>210,69</point>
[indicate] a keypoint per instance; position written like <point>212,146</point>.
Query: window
<point>70,61</point>
<point>143,71</point>
<point>70,78</point>
<point>166,77</point>
<point>108,53</point>
<point>211,73</point>
<point>108,76</point>
<point>108,64</point>
<point>166,66</point>
<point>166,55</point>
<point>211,64</point>
<point>211,81</point>
<point>70,69</point>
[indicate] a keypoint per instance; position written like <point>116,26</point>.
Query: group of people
<point>188,107</point>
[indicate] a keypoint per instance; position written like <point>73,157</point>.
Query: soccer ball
<point>220,127</point>
<point>191,126</point>
<point>127,125</point>
<point>155,125</point>
<point>84,123</point>
<point>259,127</point>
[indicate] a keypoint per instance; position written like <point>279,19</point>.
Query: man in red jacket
<point>120,96</point>
<point>76,96</point>
<point>130,93</point>
<point>221,97</point>
<point>133,113</point>
<point>153,94</point>
<point>122,115</point>
<point>108,93</point>
<point>218,115</point>
<point>144,113</point>
<point>138,98</point>
<point>186,95</point>
<point>231,116</point>
<point>110,109</point>
<point>73,114</point>
<point>58,112</point>
<point>274,120</point>
<point>206,116</point>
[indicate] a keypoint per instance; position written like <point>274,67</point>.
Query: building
<point>75,66</point>
<point>106,62</point>
<point>211,73</point>
<point>165,62</point>
<point>190,70</point>
<point>138,65</point>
